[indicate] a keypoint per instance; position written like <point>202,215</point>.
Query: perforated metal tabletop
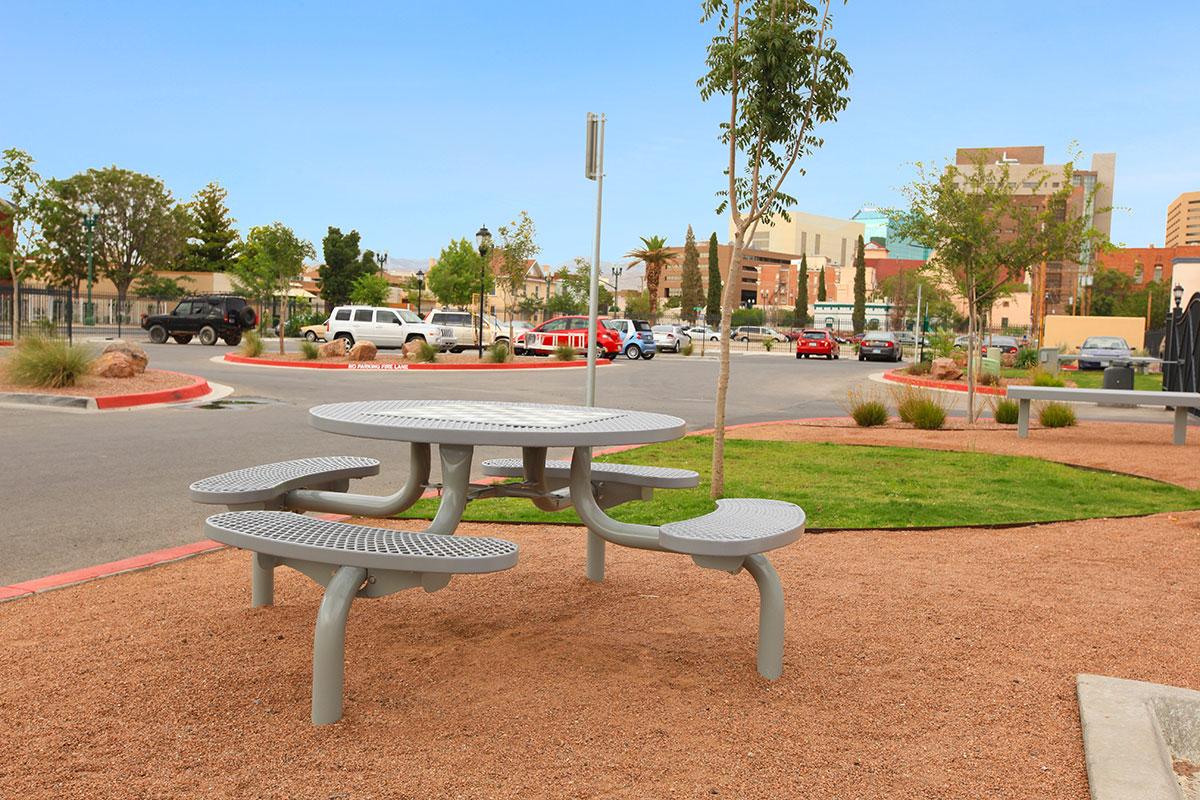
<point>475,422</point>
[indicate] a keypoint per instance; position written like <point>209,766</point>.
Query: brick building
<point>1146,264</point>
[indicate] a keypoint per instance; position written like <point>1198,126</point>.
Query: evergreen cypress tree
<point>712,306</point>
<point>213,243</point>
<point>691,288</point>
<point>859,316</point>
<point>802,293</point>
<point>822,295</point>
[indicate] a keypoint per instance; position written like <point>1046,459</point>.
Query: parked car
<point>208,317</point>
<point>637,339</point>
<point>386,327</point>
<point>671,337</point>
<point>465,327</point>
<point>879,346</point>
<point>905,337</point>
<point>316,333</point>
<point>816,342</point>
<point>757,333</point>
<point>704,332</point>
<point>1007,344</point>
<point>1106,347</point>
<point>571,331</point>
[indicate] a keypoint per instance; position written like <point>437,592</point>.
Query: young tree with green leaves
<point>858,317</point>
<point>517,248</point>
<point>455,277</point>
<point>213,242</point>
<point>712,301</point>
<point>161,288</point>
<point>802,293</point>
<point>691,290</point>
<point>272,257</point>
<point>21,251</point>
<point>778,63</point>
<point>637,305</point>
<point>655,255</point>
<point>343,264</point>
<point>370,289</point>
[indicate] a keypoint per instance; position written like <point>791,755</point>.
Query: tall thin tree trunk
<point>972,327</point>
<point>283,316</point>
<point>16,282</point>
<point>732,287</point>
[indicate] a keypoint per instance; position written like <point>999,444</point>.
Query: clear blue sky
<point>417,122</point>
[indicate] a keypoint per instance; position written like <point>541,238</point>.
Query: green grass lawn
<point>1094,379</point>
<point>842,486</point>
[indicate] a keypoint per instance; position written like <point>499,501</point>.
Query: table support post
<point>262,580</point>
<point>1181,425</point>
<point>1023,419</point>
<point>456,482</point>
<point>364,504</point>
<point>329,644</point>
<point>595,557</point>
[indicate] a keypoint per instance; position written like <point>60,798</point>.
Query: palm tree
<point>655,256</point>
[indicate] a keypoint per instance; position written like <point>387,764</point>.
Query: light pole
<point>420,287</point>
<point>616,273</point>
<point>382,259</point>
<point>483,240</point>
<point>1171,359</point>
<point>90,212</point>
<point>546,308</point>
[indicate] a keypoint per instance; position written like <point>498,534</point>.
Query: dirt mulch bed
<point>1143,449</point>
<point>386,356</point>
<point>151,380</point>
<point>935,664</point>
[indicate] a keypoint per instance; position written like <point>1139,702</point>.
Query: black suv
<point>211,317</point>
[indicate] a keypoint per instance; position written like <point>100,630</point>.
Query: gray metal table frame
<point>512,425</point>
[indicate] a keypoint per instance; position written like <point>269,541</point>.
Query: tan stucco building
<point>811,235</point>
<point>1183,220</point>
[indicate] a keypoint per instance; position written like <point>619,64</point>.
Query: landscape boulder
<point>944,369</point>
<point>410,349</point>
<point>334,348</point>
<point>134,351</point>
<point>116,364</point>
<point>363,351</point>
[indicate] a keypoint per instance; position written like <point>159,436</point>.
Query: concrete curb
<point>197,388</point>
<point>895,377</point>
<point>390,366</point>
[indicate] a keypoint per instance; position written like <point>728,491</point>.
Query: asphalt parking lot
<point>81,489</point>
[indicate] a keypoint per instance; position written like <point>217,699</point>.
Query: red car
<point>551,334</point>
<point>816,342</point>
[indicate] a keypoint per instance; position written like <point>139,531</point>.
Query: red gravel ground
<point>151,380</point>
<point>931,664</point>
<point>1135,448</point>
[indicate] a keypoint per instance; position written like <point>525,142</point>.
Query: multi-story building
<point>754,261</point>
<point>810,234</point>
<point>877,226</point>
<point>1183,220</point>
<point>1033,179</point>
<point>1147,264</point>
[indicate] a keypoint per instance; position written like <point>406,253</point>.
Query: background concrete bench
<point>349,561</point>
<point>1181,401</point>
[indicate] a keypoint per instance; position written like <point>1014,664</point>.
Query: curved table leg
<point>366,505</point>
<point>456,482</point>
<point>329,644</point>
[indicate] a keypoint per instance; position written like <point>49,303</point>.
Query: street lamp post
<point>382,259</point>
<point>420,288</point>
<point>616,273</point>
<point>90,212</point>
<point>546,308</point>
<point>1171,357</point>
<point>483,240</point>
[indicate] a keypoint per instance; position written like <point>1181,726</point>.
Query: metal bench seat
<point>1180,401</point>
<point>739,527</point>
<point>349,561</point>
<point>269,483</point>
<point>632,474</point>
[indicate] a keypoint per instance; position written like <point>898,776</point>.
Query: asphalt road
<point>81,489</point>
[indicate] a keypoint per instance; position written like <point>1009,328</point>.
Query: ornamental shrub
<point>310,349</point>
<point>1043,378</point>
<point>1006,412</point>
<point>1057,415</point>
<point>564,352</point>
<point>867,410</point>
<point>48,363</point>
<point>252,344</point>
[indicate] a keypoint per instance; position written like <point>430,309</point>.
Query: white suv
<point>385,327</point>
<point>465,327</point>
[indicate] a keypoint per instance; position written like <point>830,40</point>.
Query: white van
<point>386,327</point>
<point>465,327</point>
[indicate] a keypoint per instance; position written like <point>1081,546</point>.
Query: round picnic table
<point>458,426</point>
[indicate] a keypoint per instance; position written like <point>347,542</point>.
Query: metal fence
<point>1181,372</point>
<point>61,313</point>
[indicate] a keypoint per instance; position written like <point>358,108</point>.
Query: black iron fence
<point>63,313</point>
<point>1181,370</point>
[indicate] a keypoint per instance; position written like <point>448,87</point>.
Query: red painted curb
<point>111,568</point>
<point>391,366</point>
<point>911,380</point>
<point>197,388</point>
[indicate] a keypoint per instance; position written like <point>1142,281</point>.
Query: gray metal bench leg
<point>329,644</point>
<point>1181,425</point>
<point>595,557</point>
<point>262,580</point>
<point>456,482</point>
<point>1023,419</point>
<point>770,616</point>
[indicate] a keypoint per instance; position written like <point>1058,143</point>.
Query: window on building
<point>803,241</point>
<point>761,240</point>
<point>1158,272</point>
<point>843,249</point>
<point>1139,273</point>
<point>817,244</point>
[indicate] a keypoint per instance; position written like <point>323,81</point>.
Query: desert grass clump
<point>425,353</point>
<point>564,352</point>
<point>252,344</point>
<point>48,363</point>
<point>987,379</point>
<point>1006,412</point>
<point>920,368</point>
<point>921,408</point>
<point>498,353</point>
<point>310,350</point>
<point>1042,378</point>
<point>867,410</point>
<point>928,415</point>
<point>687,349</point>
<point>768,344</point>
<point>1057,415</point>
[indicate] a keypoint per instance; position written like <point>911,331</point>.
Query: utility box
<point>1118,376</point>
<point>1048,359</point>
